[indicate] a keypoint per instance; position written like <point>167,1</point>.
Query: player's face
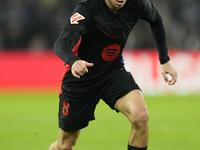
<point>115,5</point>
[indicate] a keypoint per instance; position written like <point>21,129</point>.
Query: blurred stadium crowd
<point>35,24</point>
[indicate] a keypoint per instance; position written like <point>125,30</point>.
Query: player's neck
<point>112,4</point>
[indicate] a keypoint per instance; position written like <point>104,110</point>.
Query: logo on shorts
<point>110,52</point>
<point>75,18</point>
<point>130,83</point>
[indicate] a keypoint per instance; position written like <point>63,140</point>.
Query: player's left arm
<point>167,68</point>
<point>152,16</point>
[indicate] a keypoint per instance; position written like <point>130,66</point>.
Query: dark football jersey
<point>97,35</point>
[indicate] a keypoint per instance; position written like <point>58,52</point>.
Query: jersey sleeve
<point>80,20</point>
<point>150,14</point>
<point>70,36</point>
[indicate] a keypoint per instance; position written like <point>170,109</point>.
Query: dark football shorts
<point>77,109</point>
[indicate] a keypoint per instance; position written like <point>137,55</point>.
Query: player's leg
<point>132,105</point>
<point>66,140</point>
<point>124,95</point>
<point>76,109</point>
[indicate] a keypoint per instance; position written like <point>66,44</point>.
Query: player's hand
<point>168,69</point>
<point>80,67</point>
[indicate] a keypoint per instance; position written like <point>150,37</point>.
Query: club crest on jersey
<point>75,18</point>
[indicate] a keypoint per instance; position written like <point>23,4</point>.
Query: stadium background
<point>30,76</point>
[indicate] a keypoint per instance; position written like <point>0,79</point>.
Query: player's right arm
<point>80,67</point>
<point>70,38</point>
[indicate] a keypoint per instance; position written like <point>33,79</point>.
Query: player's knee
<point>65,146</point>
<point>139,117</point>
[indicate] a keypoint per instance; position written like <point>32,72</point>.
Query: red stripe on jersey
<point>67,67</point>
<point>76,47</point>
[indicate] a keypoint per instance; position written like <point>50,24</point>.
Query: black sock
<point>136,148</point>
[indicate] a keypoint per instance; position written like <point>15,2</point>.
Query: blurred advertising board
<point>39,71</point>
<point>24,70</point>
<point>145,67</point>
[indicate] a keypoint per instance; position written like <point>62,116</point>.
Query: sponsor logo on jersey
<point>75,18</point>
<point>110,52</point>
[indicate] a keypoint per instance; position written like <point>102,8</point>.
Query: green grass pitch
<point>29,122</point>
